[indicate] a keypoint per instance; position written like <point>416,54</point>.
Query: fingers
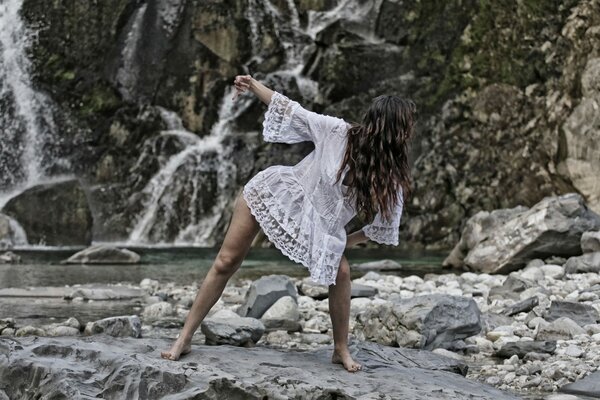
<point>241,84</point>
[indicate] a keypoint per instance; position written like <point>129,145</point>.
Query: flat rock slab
<point>588,386</point>
<point>91,292</point>
<point>105,367</point>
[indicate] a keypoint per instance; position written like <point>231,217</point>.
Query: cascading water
<point>189,173</point>
<point>26,121</point>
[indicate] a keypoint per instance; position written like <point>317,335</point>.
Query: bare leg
<point>339,310</point>
<point>242,230</point>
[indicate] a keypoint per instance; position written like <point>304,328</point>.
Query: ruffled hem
<point>288,235</point>
<point>382,234</point>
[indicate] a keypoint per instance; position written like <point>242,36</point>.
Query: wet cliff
<point>139,97</point>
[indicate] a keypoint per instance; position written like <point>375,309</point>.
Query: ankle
<point>341,349</point>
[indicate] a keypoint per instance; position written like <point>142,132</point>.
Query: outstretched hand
<point>241,83</point>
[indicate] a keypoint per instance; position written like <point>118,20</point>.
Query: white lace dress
<point>300,208</point>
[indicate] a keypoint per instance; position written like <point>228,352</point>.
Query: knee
<point>226,263</point>
<point>343,271</point>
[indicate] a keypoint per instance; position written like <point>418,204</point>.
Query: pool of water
<point>185,265</point>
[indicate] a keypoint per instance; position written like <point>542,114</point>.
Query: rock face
<point>53,214</point>
<point>553,227</point>
<point>264,292</point>
<point>128,368</point>
<point>426,322</point>
<point>104,254</point>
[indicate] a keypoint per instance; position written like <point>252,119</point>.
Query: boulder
<point>434,321</point>
<point>283,315</point>
<point>359,290</point>
<point>128,325</point>
<point>264,292</point>
<point>54,214</point>
<point>157,311</point>
<point>590,242</point>
<point>11,233</point>
<point>308,287</point>
<point>561,329</point>
<point>62,331</point>
<point>227,327</point>
<point>103,254</point>
<point>588,262</point>
<point>582,314</point>
<point>522,348</point>
<point>9,258</point>
<point>133,368</point>
<point>554,226</point>
<point>29,330</point>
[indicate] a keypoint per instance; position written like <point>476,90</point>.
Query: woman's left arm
<point>247,82</point>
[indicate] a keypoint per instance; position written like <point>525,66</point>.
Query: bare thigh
<point>240,234</point>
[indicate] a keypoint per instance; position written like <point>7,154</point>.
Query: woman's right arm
<point>246,82</point>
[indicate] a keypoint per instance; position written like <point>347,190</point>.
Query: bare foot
<point>178,349</point>
<point>344,358</point>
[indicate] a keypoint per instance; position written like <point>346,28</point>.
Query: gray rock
<point>30,331</point>
<point>157,311</point>
<point>490,321</point>
<point>6,323</point>
<point>379,265</point>
<point>134,366</point>
<point>522,306</point>
<point>561,329</point>
<point>227,327</point>
<point>283,315</point>
<point>582,314</point>
<point>358,290</point>
<point>103,292</point>
<point>308,287</point>
<point>122,326</point>
<point>553,226</point>
<point>264,292</point>
<point>522,348</point>
<point>511,288</point>
<point>56,214</point>
<point>440,320</point>
<point>103,254</point>
<point>62,331</point>
<point>589,262</point>
<point>590,242</point>
<point>9,258</point>
<point>8,332</point>
<point>588,386</point>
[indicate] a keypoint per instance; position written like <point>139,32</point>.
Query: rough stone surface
<point>116,326</point>
<point>582,314</point>
<point>264,292</point>
<point>128,368</point>
<point>590,242</point>
<point>53,214</point>
<point>435,321</point>
<point>561,329</point>
<point>103,254</point>
<point>227,327</point>
<point>553,227</point>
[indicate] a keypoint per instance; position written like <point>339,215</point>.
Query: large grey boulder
<point>264,292</point>
<point>227,327</point>
<point>553,227</point>
<point>11,233</point>
<point>128,325</point>
<point>103,254</point>
<point>590,242</point>
<point>55,214</point>
<point>426,322</point>
<point>588,262</point>
<point>582,314</point>
<point>127,368</point>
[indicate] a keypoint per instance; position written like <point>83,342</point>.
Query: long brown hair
<point>377,156</point>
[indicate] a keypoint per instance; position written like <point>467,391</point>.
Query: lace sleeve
<point>386,232</point>
<point>286,121</point>
<point>283,121</point>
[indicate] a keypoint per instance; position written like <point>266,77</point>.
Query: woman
<point>303,209</point>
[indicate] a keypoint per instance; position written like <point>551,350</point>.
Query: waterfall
<point>26,120</point>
